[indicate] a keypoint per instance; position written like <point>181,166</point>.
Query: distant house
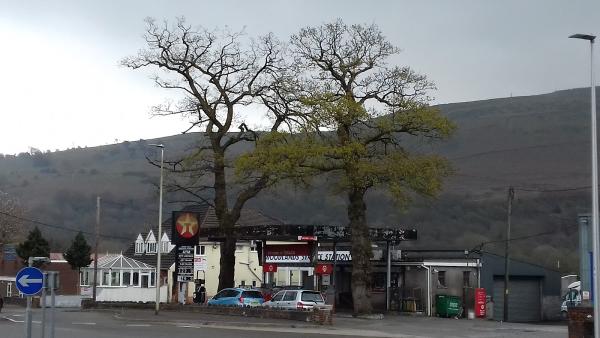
<point>10,265</point>
<point>121,278</point>
<point>247,271</point>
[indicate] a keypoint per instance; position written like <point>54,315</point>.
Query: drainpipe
<point>478,273</point>
<point>428,289</point>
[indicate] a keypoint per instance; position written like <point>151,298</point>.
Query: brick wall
<point>581,323</point>
<point>69,279</point>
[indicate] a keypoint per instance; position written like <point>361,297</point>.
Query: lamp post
<point>158,249</point>
<point>595,232</point>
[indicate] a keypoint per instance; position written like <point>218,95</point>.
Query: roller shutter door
<point>524,303</point>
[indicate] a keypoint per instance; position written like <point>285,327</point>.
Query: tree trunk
<point>227,261</point>
<point>361,252</point>
<point>227,273</point>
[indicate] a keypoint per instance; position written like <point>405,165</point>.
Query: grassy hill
<point>533,143</point>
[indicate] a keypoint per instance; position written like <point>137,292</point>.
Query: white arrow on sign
<point>25,280</point>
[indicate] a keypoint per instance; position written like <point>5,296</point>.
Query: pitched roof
<point>121,262</point>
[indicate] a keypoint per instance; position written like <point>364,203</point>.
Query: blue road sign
<point>30,281</point>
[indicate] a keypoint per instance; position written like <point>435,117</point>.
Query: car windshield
<point>252,294</point>
<point>311,297</point>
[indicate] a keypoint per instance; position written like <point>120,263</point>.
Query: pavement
<point>144,323</point>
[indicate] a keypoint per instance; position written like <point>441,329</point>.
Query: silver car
<point>304,300</point>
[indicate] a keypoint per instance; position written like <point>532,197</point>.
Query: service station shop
<point>318,257</point>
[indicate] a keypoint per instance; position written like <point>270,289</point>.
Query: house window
<point>441,279</point>
<point>201,250</point>
<point>115,278</point>
<point>152,274</point>
<point>105,278</point>
<point>253,246</point>
<point>165,246</point>
<point>136,278</point>
<point>151,248</point>
<point>84,278</point>
<point>9,289</point>
<point>466,279</point>
<point>253,283</point>
<point>126,277</point>
<point>139,247</point>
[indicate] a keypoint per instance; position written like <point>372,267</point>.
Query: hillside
<point>536,142</point>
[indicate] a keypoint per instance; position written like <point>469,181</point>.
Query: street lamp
<point>595,232</point>
<point>158,249</point>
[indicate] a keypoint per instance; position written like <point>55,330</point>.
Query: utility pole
<point>97,234</point>
<point>511,195</point>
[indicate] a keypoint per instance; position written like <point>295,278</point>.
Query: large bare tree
<point>221,76</point>
<point>362,111</point>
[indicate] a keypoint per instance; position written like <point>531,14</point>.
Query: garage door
<point>523,302</point>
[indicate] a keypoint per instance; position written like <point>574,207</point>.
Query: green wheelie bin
<point>447,306</point>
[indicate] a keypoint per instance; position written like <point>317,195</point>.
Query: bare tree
<point>221,77</point>
<point>11,220</point>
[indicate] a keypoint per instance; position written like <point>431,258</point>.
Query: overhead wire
<point>62,227</point>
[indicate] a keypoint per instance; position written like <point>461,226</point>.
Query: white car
<point>304,300</point>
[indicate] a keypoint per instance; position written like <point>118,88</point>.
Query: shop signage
<point>342,256</point>
<point>307,238</point>
<point>269,267</point>
<point>185,263</point>
<point>289,253</point>
<point>184,235</point>
<point>323,269</point>
<point>480,302</point>
<point>200,264</point>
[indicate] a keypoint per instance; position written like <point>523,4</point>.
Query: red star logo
<point>187,225</point>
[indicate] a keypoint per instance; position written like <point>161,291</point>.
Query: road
<point>143,323</point>
<point>71,324</point>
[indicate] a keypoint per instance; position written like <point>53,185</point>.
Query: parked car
<point>237,297</point>
<point>295,300</point>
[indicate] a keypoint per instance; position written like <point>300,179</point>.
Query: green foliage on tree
<point>78,254</point>
<point>361,112</point>
<point>34,246</point>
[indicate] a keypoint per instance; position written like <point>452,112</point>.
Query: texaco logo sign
<point>187,225</point>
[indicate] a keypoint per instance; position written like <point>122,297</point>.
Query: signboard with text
<point>342,256</point>
<point>184,235</point>
<point>200,264</point>
<point>185,263</point>
<point>289,253</point>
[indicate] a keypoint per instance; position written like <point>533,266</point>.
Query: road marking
<point>13,320</point>
<point>83,323</point>
<point>138,325</point>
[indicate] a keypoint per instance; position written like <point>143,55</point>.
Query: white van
<point>571,298</point>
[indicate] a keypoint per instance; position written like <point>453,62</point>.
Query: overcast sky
<point>61,85</point>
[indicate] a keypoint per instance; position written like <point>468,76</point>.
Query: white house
<point>121,278</point>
